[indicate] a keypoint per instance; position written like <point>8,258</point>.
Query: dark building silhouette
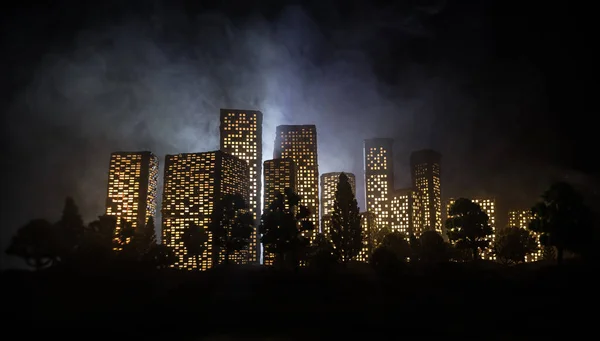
<point>279,174</point>
<point>299,143</point>
<point>379,178</point>
<point>425,173</point>
<point>193,183</point>
<point>241,136</point>
<point>132,187</point>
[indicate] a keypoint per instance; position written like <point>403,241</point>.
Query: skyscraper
<point>192,185</point>
<point>279,174</point>
<point>241,136</point>
<point>379,178</point>
<point>132,186</point>
<point>521,219</point>
<point>299,143</point>
<point>406,211</point>
<point>425,173</point>
<point>329,182</point>
<point>488,206</point>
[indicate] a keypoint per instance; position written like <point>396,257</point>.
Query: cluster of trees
<point>70,242</point>
<point>560,219</point>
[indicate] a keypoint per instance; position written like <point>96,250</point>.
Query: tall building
<point>279,174</point>
<point>299,143</point>
<point>488,206</point>
<point>406,211</point>
<point>241,136</point>
<point>521,219</point>
<point>370,237</point>
<point>132,187</point>
<point>329,182</point>
<point>425,173</point>
<point>379,178</point>
<point>192,184</point>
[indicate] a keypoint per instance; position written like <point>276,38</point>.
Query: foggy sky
<point>156,81</point>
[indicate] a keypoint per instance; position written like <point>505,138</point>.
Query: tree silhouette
<point>346,232</point>
<point>468,226</point>
<point>396,243</point>
<point>126,248</point>
<point>563,220</point>
<point>98,239</point>
<point>161,256</point>
<point>35,243</point>
<point>513,244</point>
<point>373,234</point>
<point>144,238</point>
<point>69,230</point>
<point>321,252</point>
<point>281,227</point>
<point>194,240</point>
<point>433,247</point>
<point>231,226</point>
<point>415,247</point>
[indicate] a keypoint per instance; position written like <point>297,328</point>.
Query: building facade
<point>406,212</point>
<point>329,182</point>
<point>241,136</point>
<point>279,174</point>
<point>299,143</point>
<point>379,178</point>
<point>521,219</point>
<point>370,237</point>
<point>132,187</point>
<point>425,166</point>
<point>193,183</point>
<point>488,206</point>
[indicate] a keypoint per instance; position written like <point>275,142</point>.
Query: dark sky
<point>503,89</point>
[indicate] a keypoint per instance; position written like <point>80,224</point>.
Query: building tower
<point>132,187</point>
<point>406,211</point>
<point>279,174</point>
<point>488,206</point>
<point>425,174</point>
<point>379,178</point>
<point>521,219</point>
<point>193,183</point>
<point>299,143</point>
<point>329,182</point>
<point>241,136</point>
<point>370,236</point>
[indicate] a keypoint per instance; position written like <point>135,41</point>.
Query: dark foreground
<point>487,302</point>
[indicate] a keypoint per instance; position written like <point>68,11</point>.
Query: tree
<point>69,229</point>
<point>346,232</point>
<point>396,243</point>
<point>98,239</point>
<point>322,252</point>
<point>468,226</point>
<point>563,220</point>
<point>194,240</point>
<point>231,226</point>
<point>161,256</point>
<point>415,247</point>
<point>282,226</point>
<point>433,247</point>
<point>35,243</point>
<point>373,234</point>
<point>126,249</point>
<point>144,237</point>
<point>513,244</point>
